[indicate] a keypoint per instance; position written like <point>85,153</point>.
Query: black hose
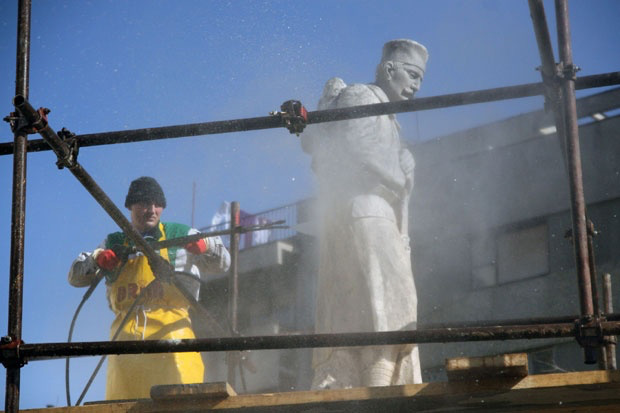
<point>120,327</point>
<point>116,333</point>
<point>86,296</point>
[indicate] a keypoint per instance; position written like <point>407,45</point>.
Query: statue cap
<point>405,51</point>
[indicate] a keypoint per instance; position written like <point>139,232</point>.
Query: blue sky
<point>113,65</point>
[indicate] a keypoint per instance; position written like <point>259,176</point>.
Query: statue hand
<point>407,164</point>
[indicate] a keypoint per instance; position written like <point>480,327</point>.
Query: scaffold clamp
<point>567,71</point>
<point>10,356</point>
<point>19,123</point>
<point>589,335</point>
<point>69,138</point>
<point>294,116</point>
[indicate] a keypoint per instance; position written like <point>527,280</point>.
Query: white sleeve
<point>84,269</point>
<point>216,259</point>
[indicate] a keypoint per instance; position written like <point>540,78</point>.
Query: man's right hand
<point>106,259</point>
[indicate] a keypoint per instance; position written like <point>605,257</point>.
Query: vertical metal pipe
<point>233,283</point>
<point>592,263</point>
<point>561,93</point>
<point>543,37</point>
<point>18,214</point>
<point>610,348</point>
<point>602,349</point>
<point>548,70</point>
<point>578,206</point>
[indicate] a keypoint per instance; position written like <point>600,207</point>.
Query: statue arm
<point>369,140</point>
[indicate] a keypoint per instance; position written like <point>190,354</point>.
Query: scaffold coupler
<point>19,123</point>
<point>10,356</point>
<point>294,116</point>
<point>589,335</point>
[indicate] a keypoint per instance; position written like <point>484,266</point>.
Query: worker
<point>161,311</point>
<point>365,179</point>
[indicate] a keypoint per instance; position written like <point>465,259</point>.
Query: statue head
<point>402,67</point>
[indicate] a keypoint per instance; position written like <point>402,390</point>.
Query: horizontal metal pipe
<point>268,122</point>
<point>513,322</point>
<point>45,351</point>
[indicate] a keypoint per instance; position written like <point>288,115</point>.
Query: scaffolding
<point>591,328</point>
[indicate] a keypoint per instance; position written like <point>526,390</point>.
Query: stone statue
<point>365,178</point>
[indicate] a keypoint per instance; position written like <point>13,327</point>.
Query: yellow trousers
<point>131,376</point>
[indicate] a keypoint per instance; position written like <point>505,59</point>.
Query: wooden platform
<point>575,392</point>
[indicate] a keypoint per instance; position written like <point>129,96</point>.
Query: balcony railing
<point>286,213</point>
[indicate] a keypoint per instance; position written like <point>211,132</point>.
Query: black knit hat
<point>145,189</point>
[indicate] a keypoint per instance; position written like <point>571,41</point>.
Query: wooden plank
<point>217,390</point>
<point>472,368</point>
<point>580,392</point>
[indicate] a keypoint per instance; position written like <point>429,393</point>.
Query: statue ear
<point>389,69</point>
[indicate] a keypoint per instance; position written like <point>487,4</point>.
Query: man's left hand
<point>197,247</point>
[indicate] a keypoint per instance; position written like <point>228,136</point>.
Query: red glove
<point>197,247</point>
<point>107,260</point>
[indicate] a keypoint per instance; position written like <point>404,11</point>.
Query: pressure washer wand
<point>182,241</point>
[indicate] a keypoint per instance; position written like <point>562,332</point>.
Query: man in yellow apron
<point>161,311</point>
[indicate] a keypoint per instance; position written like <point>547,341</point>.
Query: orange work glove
<point>197,247</point>
<point>107,259</point>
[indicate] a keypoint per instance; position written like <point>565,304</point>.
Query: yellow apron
<point>161,314</point>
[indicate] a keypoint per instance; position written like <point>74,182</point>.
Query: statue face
<point>403,80</point>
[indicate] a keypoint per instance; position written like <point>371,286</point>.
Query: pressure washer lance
<point>182,241</point>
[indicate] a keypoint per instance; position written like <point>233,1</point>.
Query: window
<point>522,253</point>
<point>509,255</point>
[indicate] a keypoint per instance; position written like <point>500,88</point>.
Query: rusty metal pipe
<point>233,284</point>
<point>18,209</point>
<point>548,70</point>
<point>44,351</point>
<point>513,322</point>
<point>610,347</point>
<point>561,97</point>
<point>237,125</point>
<point>560,94</point>
<point>233,280</point>
<point>602,349</point>
<point>592,263</point>
<point>578,207</point>
<point>543,39</point>
<point>571,133</point>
